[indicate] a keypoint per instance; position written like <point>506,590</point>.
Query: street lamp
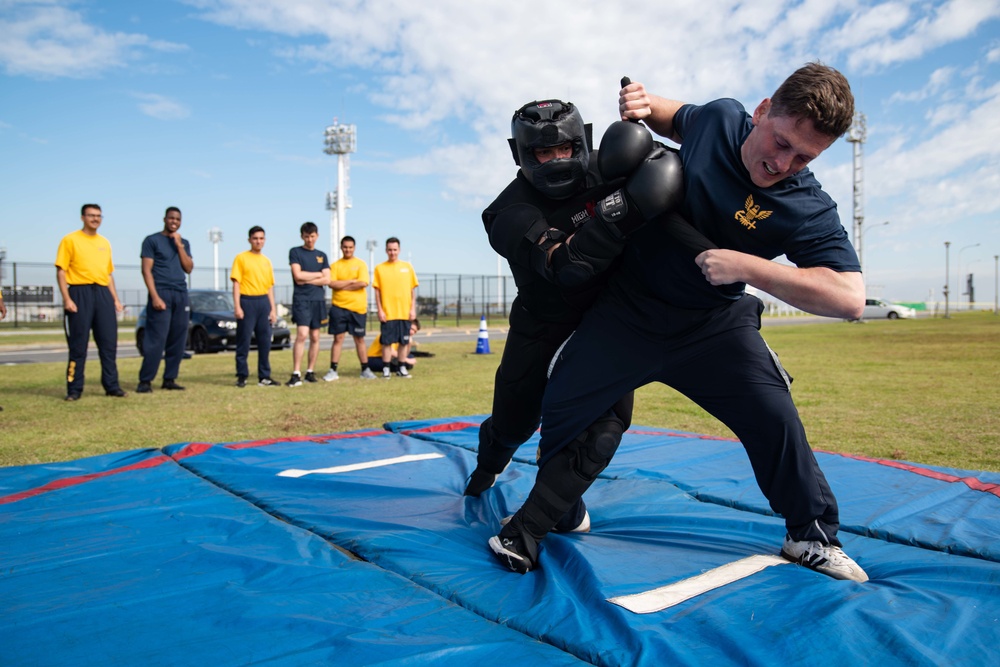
<point>974,245</point>
<point>947,244</point>
<point>863,235</point>
<point>215,236</point>
<point>371,244</point>
<point>996,284</point>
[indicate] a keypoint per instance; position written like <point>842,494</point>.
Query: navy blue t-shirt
<point>313,261</point>
<point>794,217</point>
<point>167,270</point>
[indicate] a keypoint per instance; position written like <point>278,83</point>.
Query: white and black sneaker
<point>403,373</point>
<point>386,374</point>
<point>824,558</point>
<point>267,382</point>
<point>367,374</point>
<point>512,553</point>
<point>295,381</point>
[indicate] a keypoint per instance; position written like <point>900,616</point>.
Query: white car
<point>879,309</point>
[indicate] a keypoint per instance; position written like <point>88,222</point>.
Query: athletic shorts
<point>395,331</point>
<point>346,321</point>
<point>309,313</point>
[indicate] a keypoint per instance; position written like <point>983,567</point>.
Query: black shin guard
<point>563,480</point>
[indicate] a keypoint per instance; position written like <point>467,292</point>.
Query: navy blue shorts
<point>346,321</point>
<point>309,313</point>
<point>395,331</point>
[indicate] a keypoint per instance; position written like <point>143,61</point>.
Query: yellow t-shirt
<point>86,259</point>
<point>395,281</point>
<point>254,273</point>
<point>375,349</point>
<point>354,300</point>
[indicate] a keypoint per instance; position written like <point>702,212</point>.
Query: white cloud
<point>161,107</point>
<point>44,39</point>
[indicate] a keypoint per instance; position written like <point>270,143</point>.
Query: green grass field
<point>921,390</point>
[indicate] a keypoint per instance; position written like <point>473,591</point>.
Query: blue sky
<point>219,107</point>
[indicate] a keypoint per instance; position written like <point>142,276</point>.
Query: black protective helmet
<point>551,123</point>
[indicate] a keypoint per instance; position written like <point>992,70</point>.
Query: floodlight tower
<point>339,140</point>
<point>215,236</point>
<point>856,135</point>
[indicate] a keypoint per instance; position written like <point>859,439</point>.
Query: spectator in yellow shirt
<point>395,284</point>
<point>253,293</point>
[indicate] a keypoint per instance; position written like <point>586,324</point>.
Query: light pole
<point>996,284</point>
<point>371,244</point>
<point>947,244</point>
<point>863,235</point>
<point>339,140</point>
<point>974,245</point>
<point>215,236</point>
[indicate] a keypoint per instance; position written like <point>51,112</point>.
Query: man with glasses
<point>90,302</point>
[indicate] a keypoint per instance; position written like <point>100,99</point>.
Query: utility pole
<point>857,135</point>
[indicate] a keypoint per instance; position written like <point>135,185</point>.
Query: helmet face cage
<point>545,124</point>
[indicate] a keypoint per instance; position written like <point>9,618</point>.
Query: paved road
<point>56,352</point>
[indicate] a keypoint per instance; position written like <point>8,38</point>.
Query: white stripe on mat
<point>661,598</point>
<point>409,458</point>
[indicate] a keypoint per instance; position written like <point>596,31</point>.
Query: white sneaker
<point>824,558</point>
<point>331,375</point>
<point>367,374</point>
<point>386,375</point>
<point>582,527</point>
<point>403,373</point>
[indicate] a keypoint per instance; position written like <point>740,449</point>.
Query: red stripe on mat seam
<point>66,482</point>
<point>971,482</point>
<point>441,428</point>
<point>305,438</point>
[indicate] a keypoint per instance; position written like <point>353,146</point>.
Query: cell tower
<point>339,140</point>
<point>856,135</point>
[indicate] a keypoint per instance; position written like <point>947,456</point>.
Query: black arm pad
<point>514,230</point>
<point>521,234</point>
<point>589,251</point>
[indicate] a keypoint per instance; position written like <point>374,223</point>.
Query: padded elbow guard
<point>521,234</point>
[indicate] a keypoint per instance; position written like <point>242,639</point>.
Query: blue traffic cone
<point>483,344</point>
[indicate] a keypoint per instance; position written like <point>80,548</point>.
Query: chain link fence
<point>33,298</point>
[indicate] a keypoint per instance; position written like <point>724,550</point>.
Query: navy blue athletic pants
<point>95,311</point>
<point>256,321</point>
<point>718,359</point>
<point>166,330</point>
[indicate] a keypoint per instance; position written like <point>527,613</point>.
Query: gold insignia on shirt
<point>751,214</point>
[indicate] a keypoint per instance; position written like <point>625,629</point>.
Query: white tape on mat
<point>661,598</point>
<point>409,458</point>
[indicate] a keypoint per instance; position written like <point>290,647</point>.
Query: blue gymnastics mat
<point>359,548</point>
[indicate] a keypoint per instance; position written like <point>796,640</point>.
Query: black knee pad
<point>592,451</point>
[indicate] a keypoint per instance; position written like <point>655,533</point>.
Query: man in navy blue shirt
<point>166,263</point>
<point>748,190</point>
<point>311,275</point>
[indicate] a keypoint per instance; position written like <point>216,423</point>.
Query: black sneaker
<point>267,382</point>
<point>241,381</point>
<point>294,381</point>
<point>517,551</point>
<point>171,385</point>
<point>144,388</point>
<point>72,397</point>
<point>115,393</point>
<point>311,376</point>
